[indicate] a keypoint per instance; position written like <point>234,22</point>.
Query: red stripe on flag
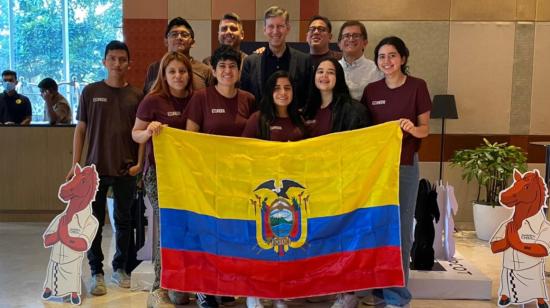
<point>336,273</point>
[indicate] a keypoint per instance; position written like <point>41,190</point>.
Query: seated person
<point>15,108</point>
<point>57,108</point>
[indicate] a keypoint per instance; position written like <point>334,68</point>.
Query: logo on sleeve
<point>99,99</point>
<point>218,110</point>
<point>380,102</point>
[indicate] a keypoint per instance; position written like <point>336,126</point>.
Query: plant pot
<point>488,218</point>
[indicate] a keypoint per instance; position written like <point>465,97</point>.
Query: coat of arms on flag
<point>247,217</point>
<point>281,222</point>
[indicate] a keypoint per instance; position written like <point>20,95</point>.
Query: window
<point>61,39</point>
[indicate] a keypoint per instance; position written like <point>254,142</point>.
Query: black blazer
<point>299,70</point>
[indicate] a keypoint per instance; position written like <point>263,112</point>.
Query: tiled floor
<point>23,262</point>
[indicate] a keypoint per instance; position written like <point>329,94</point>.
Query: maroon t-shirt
<point>109,114</point>
<point>170,111</point>
<point>281,129</point>
<point>219,115</point>
<point>407,101</point>
<point>321,124</point>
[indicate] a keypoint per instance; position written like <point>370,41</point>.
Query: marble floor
<point>23,262</point>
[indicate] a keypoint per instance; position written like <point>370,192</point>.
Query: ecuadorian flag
<point>248,217</point>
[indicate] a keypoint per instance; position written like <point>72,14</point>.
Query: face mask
<point>9,86</point>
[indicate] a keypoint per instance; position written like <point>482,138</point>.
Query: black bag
<point>422,252</point>
<point>137,238</point>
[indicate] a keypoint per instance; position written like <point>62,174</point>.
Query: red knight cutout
<point>524,240</point>
<point>70,235</point>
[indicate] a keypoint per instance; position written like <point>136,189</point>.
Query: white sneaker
<point>395,306</point>
<point>345,300</point>
<point>279,303</point>
<point>253,302</point>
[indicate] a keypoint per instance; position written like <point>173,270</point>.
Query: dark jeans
<point>124,191</point>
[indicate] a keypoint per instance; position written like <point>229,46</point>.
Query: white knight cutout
<point>70,235</point>
<point>524,240</point>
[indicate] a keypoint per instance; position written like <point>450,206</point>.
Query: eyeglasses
<point>176,34</point>
<point>319,29</point>
<point>350,36</point>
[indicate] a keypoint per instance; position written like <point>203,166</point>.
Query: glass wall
<point>61,39</point>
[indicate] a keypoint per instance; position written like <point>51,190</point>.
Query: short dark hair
<point>48,84</point>
<point>324,19</point>
<point>178,21</point>
<point>351,23</point>
<point>399,46</point>
<point>116,45</point>
<point>9,73</point>
<point>225,52</point>
<point>232,16</point>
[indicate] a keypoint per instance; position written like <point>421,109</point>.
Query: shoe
<point>178,298</point>
<point>504,303</point>
<point>253,302</point>
<point>75,299</point>
<point>206,301</point>
<point>97,287</point>
<point>121,279</point>
<point>395,306</point>
<point>279,303</point>
<point>372,300</point>
<point>545,305</point>
<point>47,293</point>
<point>345,300</point>
<point>228,301</point>
<point>159,299</point>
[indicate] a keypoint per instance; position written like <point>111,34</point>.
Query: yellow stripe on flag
<point>217,175</point>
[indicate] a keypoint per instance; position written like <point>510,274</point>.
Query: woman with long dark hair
<point>330,107</point>
<point>164,106</point>
<point>400,96</point>
<point>278,118</point>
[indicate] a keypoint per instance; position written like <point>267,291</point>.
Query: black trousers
<point>124,191</point>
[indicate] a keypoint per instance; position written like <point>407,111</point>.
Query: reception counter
<point>33,163</point>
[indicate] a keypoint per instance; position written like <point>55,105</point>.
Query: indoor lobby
<point>491,56</point>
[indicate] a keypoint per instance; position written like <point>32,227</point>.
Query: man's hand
<point>134,170</point>
<point>70,174</point>
<point>259,51</point>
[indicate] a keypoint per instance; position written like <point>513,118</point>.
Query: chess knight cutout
<point>70,235</point>
<point>524,240</point>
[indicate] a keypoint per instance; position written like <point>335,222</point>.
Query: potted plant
<point>491,165</point>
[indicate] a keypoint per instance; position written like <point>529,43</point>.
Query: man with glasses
<point>319,34</point>
<point>231,33</point>
<point>359,71</point>
<point>277,56</point>
<point>179,37</point>
<point>15,108</point>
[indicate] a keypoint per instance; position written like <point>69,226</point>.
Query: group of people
<point>16,108</point>
<point>277,93</point>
